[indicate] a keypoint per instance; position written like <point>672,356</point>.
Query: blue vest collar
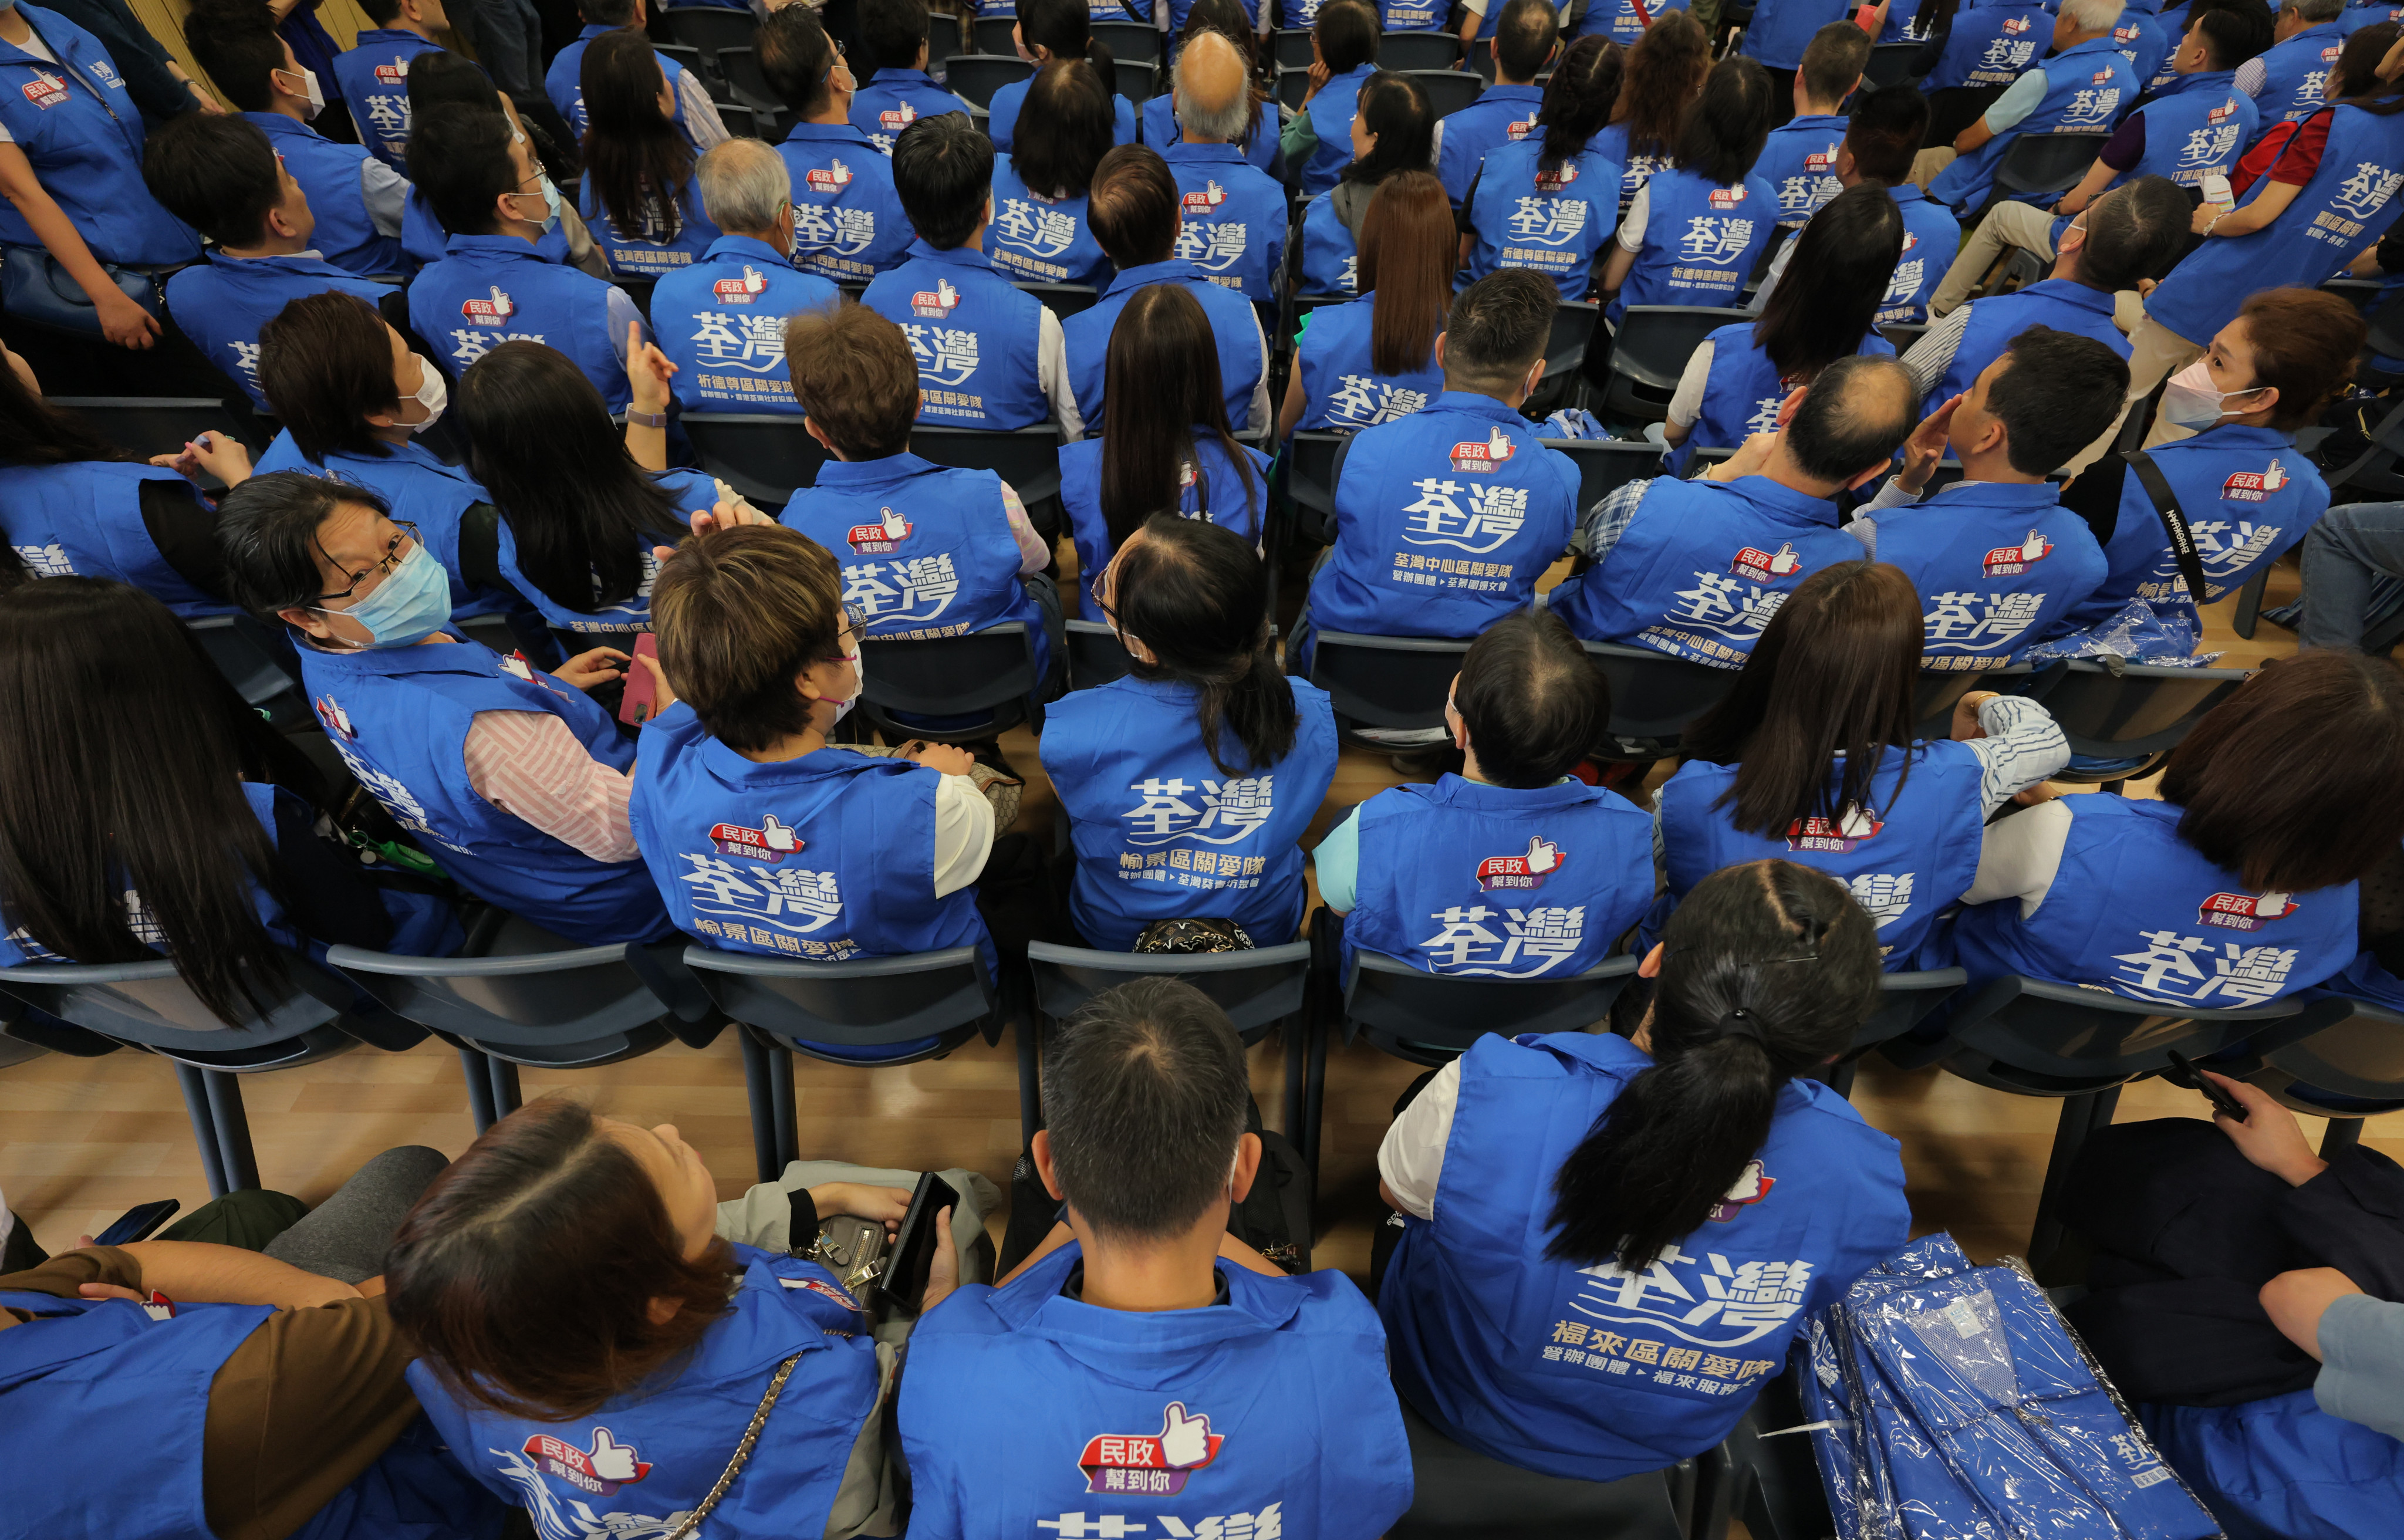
<point>1906,193</point>
<point>2068,291</point>
<point>1476,405</point>
<point>1170,272</point>
<point>1512,93</point>
<point>904,78</point>
<point>2315,31</point>
<point>591,31</point>
<point>744,248</point>
<point>1033,1302</point>
<point>2106,44</point>
<point>388,34</point>
<point>306,264</point>
<point>2242,436</point>
<point>494,247</point>
<point>1361,72</point>
<point>2202,81</point>
<point>863,475</point>
<point>1231,154</point>
<point>2014,497</point>
<point>956,257</point>
<point>1455,791</point>
<point>276,126</point>
<point>1813,120</point>
<point>725,765</point>
<point>461,657</point>
<point>844,132</point>
<point>1782,501</point>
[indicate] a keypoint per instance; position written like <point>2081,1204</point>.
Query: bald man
<point>1159,128</point>
<point>1234,211</point>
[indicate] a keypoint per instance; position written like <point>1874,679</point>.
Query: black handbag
<point>34,288</point>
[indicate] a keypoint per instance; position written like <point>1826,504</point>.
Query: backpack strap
<point>2157,487</point>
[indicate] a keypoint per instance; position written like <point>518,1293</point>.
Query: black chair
<point>1064,300</point>
<point>1481,59</point>
<point>1573,324</point>
<point>1905,1001</point>
<point>1890,64</point>
<point>2338,1058</point>
<point>1291,47</point>
<point>2139,711</point>
<point>1095,654</point>
<point>765,455</point>
<point>2044,162</point>
<point>1704,457</point>
<point>1417,53</point>
<point>1028,460</point>
<point>988,677</point>
<point>996,34</point>
<point>1655,697</point>
<point>1136,42</point>
<point>1138,78</point>
<point>707,29</point>
<point>1293,84</point>
<point>749,85</point>
<point>1606,465</point>
<point>1649,352</point>
<point>161,425</point>
<point>1902,334</point>
<point>1310,480</point>
<point>2374,470</point>
<point>978,76</point>
<point>1934,700</point>
<point>1433,1018</point>
<point>944,39</point>
<point>1394,682</point>
<point>1457,1494</point>
<point>701,65</point>
<point>1448,90</point>
<point>1772,1484</point>
<point>246,652</point>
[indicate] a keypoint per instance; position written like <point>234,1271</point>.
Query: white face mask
<point>859,686</point>
<point>317,96</point>
<point>2191,401</point>
<point>433,393</point>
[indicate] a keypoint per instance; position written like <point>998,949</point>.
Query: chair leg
<point>763,1110</point>
<point>479,1090</point>
<point>506,1098</point>
<point>204,1127</point>
<point>1295,1028</point>
<point>1314,1099</point>
<point>234,1130</point>
<point>2249,604</point>
<point>780,1089</point>
<point>2343,1134</point>
<point>2081,1115</point>
<point>1027,1031</point>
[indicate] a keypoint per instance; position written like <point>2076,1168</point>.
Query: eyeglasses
<point>377,573</point>
<point>855,626</point>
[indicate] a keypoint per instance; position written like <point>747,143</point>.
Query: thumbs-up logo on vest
<point>875,539</point>
<point>936,304</point>
<point>2015,25</point>
<point>740,291</point>
<point>492,312</point>
<point>1544,857</point>
<point>1519,129</point>
<point>1837,835</point>
<point>395,74</point>
<point>1764,565</point>
<point>1473,455</point>
<point>1202,203</point>
<point>833,177</point>
<point>1752,1186</point>
<point>2254,487</point>
<point>2008,560</point>
<point>899,116</point>
<point>2244,911</point>
<point>45,90</point>
<point>772,842</point>
<point>1152,1464</point>
<point>336,721</point>
<point>600,1470</point>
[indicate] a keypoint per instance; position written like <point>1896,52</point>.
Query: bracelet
<point>646,419</point>
<point>2214,223</point>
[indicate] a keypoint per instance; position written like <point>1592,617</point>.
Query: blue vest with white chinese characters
<point>2143,40</point>
<point>84,520</point>
<point>926,549</point>
<point>891,100</point>
<point>399,716</point>
<point>1617,18</point>
<point>1213,488</point>
<point>2344,209</point>
<point>2086,89</point>
<point>825,857</point>
<point>1037,239</point>
<point>1412,15</point>
<point>1742,392</point>
<point>2248,494</point>
<point>2293,75</point>
<point>564,82</point>
<point>2355,18</point>
<point>1444,522</point>
<point>1551,222</point>
<point>1498,881</point>
<point>420,489</point>
<point>643,1459</point>
<point>2281,1465</point>
<point>1799,164</point>
<point>1501,115</point>
<point>1596,1373</point>
<point>374,76</point>
<point>1703,566</point>
<point>1902,22</point>
<point>1909,855</point>
<point>722,322</point>
<point>1931,236</point>
<point>1701,241</point>
<point>975,336</point>
<point>1235,331</point>
<point>1330,118</point>
<point>2062,303</point>
<point>1341,387</point>
<point>2137,910</point>
<point>489,289</point>
<point>1634,170</point>
<point>640,253</point>
<point>83,135</point>
<point>847,220</point>
<point>1231,216</point>
<point>1997,565</point>
<point>1330,261</point>
<point>221,303</point>
<point>1163,833</point>
<point>1001,113</point>
<point>1781,30</point>
<point>1156,125</point>
<point>694,490</point>
<point>1992,45</point>
<point>2193,129</point>
<point>329,173</point>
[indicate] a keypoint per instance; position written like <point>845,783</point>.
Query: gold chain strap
<point>742,1451</point>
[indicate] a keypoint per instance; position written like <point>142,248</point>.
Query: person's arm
<point>1258,414</point>
<point>1921,454</point>
<point>1686,405</point>
<point>1472,13</point>
<point>1770,280</point>
<point>1933,355</point>
<point>1297,139</point>
<point>648,371</point>
<point>701,124</point>
<point>2265,206</point>
<point>1292,411</point>
<point>1600,527</point>
<point>1336,863</point>
<point>963,831</point>
<point>1410,1159</point>
<point>386,193</point>
<point>1032,556</point>
<point>2020,98</point>
<point>2298,1300</point>
<point>2252,77</point>
<point>122,321</point>
<point>2124,149</point>
<point>2018,742</point>
<point>2021,856</point>
<point>622,315</point>
<point>1865,529</point>
<point>1629,242</point>
<point>1052,373</point>
<point>203,1273</point>
<point>530,764</point>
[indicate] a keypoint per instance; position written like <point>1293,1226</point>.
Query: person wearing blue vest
<point>2191,127</point>
<point>2082,87</point>
<point>1373,359</point>
<point>1798,160</point>
<point>222,176</point>
<point>847,220</point>
<point>564,82</point>
<point>721,321</point>
<point>1041,232</point>
<point>1776,37</point>
<point>1696,568</point>
<point>1188,781</point>
<point>1319,139</point>
<point>990,354</point>
<point>1232,218</point>
<point>2287,82</point>
<point>1665,71</point>
<point>2143,40</point>
<point>2357,17</point>
<point>639,197</point>
<point>374,71</point>
<point>1989,46</point>
<point>1513,867</point>
<point>441,83</point>
<point>1544,202</point>
<point>893,34</point>
<point>1050,30</point>
<point>1526,42</point>
<point>511,778</point>
<point>493,284</point>
<point>1881,142</point>
<point>1215,110</point>
<point>1615,19</point>
<point>1445,519</point>
<point>1699,227</point>
<point>1608,1244</point>
<point>1391,129</point>
<point>1143,1372</point>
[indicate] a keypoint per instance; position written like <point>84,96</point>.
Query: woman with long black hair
<point>1664,73</point>
<point>1698,225</point>
<point>1372,360</point>
<point>1048,30</point>
<point>1548,199</point>
<point>1393,131</point>
<point>1039,232</point>
<point>639,197</point>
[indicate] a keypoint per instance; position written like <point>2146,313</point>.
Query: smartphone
<point>914,1248</point>
<point>138,1224</point>
<point>2216,191</point>
<point>641,701</point>
<point>2222,1102</point>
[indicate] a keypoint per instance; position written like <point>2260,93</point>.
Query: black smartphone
<point>2222,1102</point>
<point>138,1224</point>
<point>914,1247</point>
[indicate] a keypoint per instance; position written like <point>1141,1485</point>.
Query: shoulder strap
<point>2174,519</point>
<point>742,1451</point>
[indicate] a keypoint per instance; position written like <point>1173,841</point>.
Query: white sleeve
<point>2252,77</point>
<point>1865,529</point>
<point>963,833</point>
<point>1410,1159</point>
<point>1892,495</point>
<point>701,124</point>
<point>2021,856</point>
<point>1686,406</point>
<point>1631,229</point>
<point>385,193</point>
<point>1263,416</point>
<point>2023,746</point>
<point>623,311</point>
<point>1436,147</point>
<point>1777,270</point>
<point>1052,373</point>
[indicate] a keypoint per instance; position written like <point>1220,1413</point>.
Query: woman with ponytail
<point>1548,202</point>
<point>1048,30</point>
<point>1608,1245</point>
<point>1189,781</point>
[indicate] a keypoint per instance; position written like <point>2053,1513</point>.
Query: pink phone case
<point>641,699</point>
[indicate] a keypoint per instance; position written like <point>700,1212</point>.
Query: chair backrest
<point>530,990</point>
<point>1890,64</point>
<point>146,1003</point>
<point>2388,327</point>
<point>1934,696</point>
<point>2040,1038</point>
<point>1386,682</point>
<point>1606,465</point>
<point>711,28</point>
<point>1130,41</point>
<point>1136,78</point>
<point>978,76</point>
<point>244,651</point>
<point>2048,162</point>
<point>1481,59</point>
<point>2350,1048</point>
<point>1257,989</point>
<point>1904,1000</point>
<point>742,71</point>
<point>740,122</point>
<point>1065,300</point>
<point>1653,342</point>
<point>990,672</point>
<point>1095,654</point>
<point>763,454</point>
<point>993,36</point>
<point>158,425</point>
<point>2141,709</point>
<point>1573,323</point>
<point>1294,84</point>
<point>1456,1491</point>
<point>943,39</point>
<point>693,58</point>
<point>873,1002</point>
<point>1028,460</point>
<point>1653,696</point>
<point>1452,1011</point>
<point>1448,90</point>
<point>1292,49</point>
<point>1310,477</point>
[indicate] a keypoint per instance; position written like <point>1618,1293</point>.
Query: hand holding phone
<point>2194,1079</point>
<point>641,701</point>
<point>914,1249</point>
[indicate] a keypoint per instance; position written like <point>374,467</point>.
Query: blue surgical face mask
<point>412,603</point>
<point>550,204</point>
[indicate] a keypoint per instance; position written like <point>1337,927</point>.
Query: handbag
<point>35,288</point>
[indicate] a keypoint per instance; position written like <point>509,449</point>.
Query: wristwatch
<point>647,419</point>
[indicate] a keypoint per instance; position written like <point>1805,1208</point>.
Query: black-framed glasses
<point>380,570</point>
<point>854,625</point>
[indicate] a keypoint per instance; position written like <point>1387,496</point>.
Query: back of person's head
<point>636,159</point>
<point>1063,26</point>
<point>35,432</point>
<point>798,59</point>
<point>2297,780</point>
<point>1196,595</point>
<point>942,171</point>
<point>1230,19</point>
<point>1833,674</point>
<point>2093,15</point>
<point>460,160</point>
<point>1578,98</point>
<point>1162,389</point>
<point>2313,12</point>
<point>2056,391</point>
<point>237,45</point>
<point>1884,133</point>
<point>1065,128</point>
<point>1497,331</point>
<point>215,171</point>
<point>1833,61</point>
<point>1131,207</point>
<point>1394,108</point>
<point>746,188</point>
<point>603,13</point>
<point>741,614</point>
<point>2304,342</point>
<point>1214,98</point>
<point>1768,969</point>
<point>854,375</point>
<point>2356,77</point>
<point>1525,35</point>
<point>1855,415</point>
<point>1144,1103</point>
<point>1843,261</point>
<point>117,723</point>
<point>2233,31</point>
<point>2135,231</point>
<point>1409,249</point>
<point>891,33</point>
<point>439,78</point>
<point>1666,70</point>
<point>1532,701</point>
<point>1722,133</point>
<point>325,362</point>
<point>527,1273</point>
<point>1348,32</point>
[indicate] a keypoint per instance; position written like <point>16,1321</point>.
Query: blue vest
<point>2293,74</point>
<point>84,520</point>
<point>2085,88</point>
<point>1596,1373</point>
<point>1501,115</point>
<point>1330,261</point>
<point>489,289</point>
<point>2337,215</point>
<point>716,830</point>
<point>1330,118</point>
<point>1992,45</point>
<point>1412,15</point>
<point>1498,881</point>
<point>1902,22</point>
<point>2355,18</point>
<point>1179,9</point>
<point>1998,563</point>
<point>847,220</point>
<point>1001,113</point>
<point>891,100</point>
<point>975,336</point>
<point>1037,239</point>
<point>1634,170</point>
<point>1931,236</point>
<point>83,135</point>
<point>2143,40</point>
<point>1163,833</point>
<point>1231,218</point>
<point>2063,303</point>
<point>2194,128</point>
<point>1156,125</point>
<point>694,490</point>
<point>722,322</point>
<point>1551,222</point>
<point>2282,1467</point>
<point>1912,853</point>
<point>642,255</point>
<point>1702,242</point>
<point>1025,1405</point>
<point>1742,394</point>
<point>564,82</point>
<point>1340,386</point>
<point>667,1442</point>
<point>1444,522</point>
<point>422,237</point>
<point>374,76</point>
<point>1213,490</point>
<point>1799,164</point>
<point>1703,566</point>
<point>329,173</point>
<point>221,303</point>
<point>1234,330</point>
<point>2248,494</point>
<point>1781,30</point>
<point>1617,18</point>
<point>926,549</point>
<point>2138,911</point>
<point>420,488</point>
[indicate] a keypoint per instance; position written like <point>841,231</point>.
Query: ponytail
<point>1767,971</point>
<point>1578,99</point>
<point>1196,595</point>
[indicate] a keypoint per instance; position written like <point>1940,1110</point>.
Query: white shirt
<point>1686,406</point>
<point>39,49</point>
<point>1410,1159</point>
<point>963,833</point>
<point>1631,227</point>
<point>1052,373</point>
<point>2020,857</point>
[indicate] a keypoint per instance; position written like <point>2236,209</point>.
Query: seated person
<point>1136,217</point>
<point>1527,43</point>
<point>1236,111</point>
<point>2286,89</point>
<point>2193,128</point>
<point>1446,519</point>
<point>847,220</point>
<point>1709,214</point>
<point>1799,158</point>
<point>989,355</point>
<point>1696,568</point>
<point>374,72</point>
<point>511,774</point>
<point>1515,868</point>
<point>1982,50</point>
<point>893,37</point>
<point>1040,232</point>
<point>1839,782</point>
<point>2079,87</point>
<point>441,84</point>
<point>1372,360</point>
<point>1057,31</point>
<point>1546,202</point>
<point>1392,127</point>
<point>564,81</point>
<point>638,198</point>
<point>1540,1179</point>
<point>1881,139</point>
<point>1664,73</point>
<point>927,550</point>
<point>1318,140</point>
<point>1141,1309</point>
<point>1998,561</point>
<point>1219,144</point>
<point>722,320</point>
